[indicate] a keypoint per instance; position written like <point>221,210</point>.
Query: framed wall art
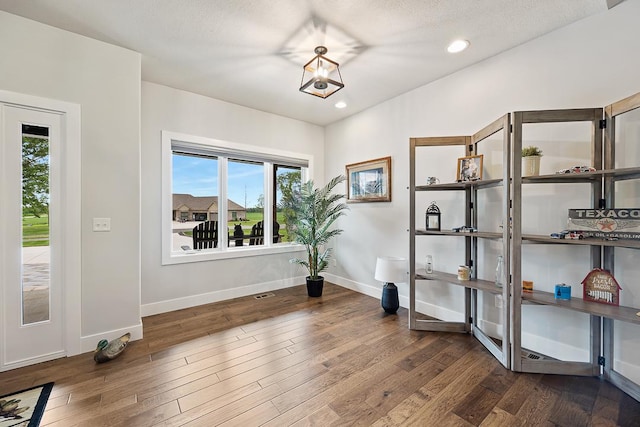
<point>369,181</point>
<point>469,168</point>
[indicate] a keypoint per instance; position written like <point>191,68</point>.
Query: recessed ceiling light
<point>458,46</point>
<point>341,104</point>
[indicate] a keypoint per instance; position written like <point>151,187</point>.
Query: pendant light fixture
<point>321,76</point>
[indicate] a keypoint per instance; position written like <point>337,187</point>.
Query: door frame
<point>70,204</point>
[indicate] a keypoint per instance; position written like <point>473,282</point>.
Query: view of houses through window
<point>201,220</point>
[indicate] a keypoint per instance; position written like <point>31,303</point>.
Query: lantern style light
<point>321,76</point>
<point>432,217</point>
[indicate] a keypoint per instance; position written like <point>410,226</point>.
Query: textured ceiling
<point>251,52</point>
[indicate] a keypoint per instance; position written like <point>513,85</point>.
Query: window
<point>221,199</point>
<point>288,180</point>
<point>245,201</point>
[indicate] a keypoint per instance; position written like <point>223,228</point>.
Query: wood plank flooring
<point>293,360</point>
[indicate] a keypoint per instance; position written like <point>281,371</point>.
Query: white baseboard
<point>31,361</point>
<point>216,296</point>
<point>89,342</point>
<point>555,349</point>
<point>362,288</point>
<point>375,292</point>
<point>441,313</point>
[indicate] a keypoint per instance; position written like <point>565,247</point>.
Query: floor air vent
<point>526,354</point>
<point>263,296</point>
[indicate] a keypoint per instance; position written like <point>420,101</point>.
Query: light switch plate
<point>101,224</point>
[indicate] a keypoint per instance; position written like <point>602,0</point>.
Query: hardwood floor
<point>293,360</point>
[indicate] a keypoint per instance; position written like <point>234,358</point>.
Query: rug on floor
<point>24,408</point>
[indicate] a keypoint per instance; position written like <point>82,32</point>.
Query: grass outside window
<point>35,231</point>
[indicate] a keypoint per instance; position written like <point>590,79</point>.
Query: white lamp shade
<point>391,269</point>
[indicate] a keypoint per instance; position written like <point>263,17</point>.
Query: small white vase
<point>531,166</point>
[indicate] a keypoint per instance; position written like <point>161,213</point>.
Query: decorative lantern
<point>321,76</point>
<point>432,217</point>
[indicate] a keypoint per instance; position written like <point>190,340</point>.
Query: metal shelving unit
<point>593,181</point>
<point>614,113</point>
<point>474,286</point>
<point>601,185</point>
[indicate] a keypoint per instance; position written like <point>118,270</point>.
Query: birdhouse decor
<point>601,286</point>
<point>432,217</point>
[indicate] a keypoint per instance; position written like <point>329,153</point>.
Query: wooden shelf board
<point>591,241</point>
<point>625,314</point>
<point>559,178</point>
<point>622,173</point>
<point>451,186</point>
<point>479,284</point>
<point>439,326</point>
<point>483,234</point>
<point>555,178</point>
<point>619,174</point>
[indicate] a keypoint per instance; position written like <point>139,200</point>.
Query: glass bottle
<point>429,264</point>
<point>500,272</point>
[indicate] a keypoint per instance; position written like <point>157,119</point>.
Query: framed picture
<point>469,168</point>
<point>369,181</point>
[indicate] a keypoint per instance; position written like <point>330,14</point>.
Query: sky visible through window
<point>198,176</point>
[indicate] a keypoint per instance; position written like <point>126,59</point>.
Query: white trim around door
<point>69,226</point>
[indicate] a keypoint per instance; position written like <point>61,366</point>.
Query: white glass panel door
<point>30,219</point>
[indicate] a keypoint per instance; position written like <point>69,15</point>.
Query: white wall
<point>181,285</point>
<point>40,60</point>
<point>588,64</point>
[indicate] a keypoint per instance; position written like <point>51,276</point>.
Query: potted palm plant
<point>316,212</point>
<point>531,161</point>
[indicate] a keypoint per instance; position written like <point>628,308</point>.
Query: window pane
<point>36,257</point>
<point>245,182</point>
<point>195,202</point>
<point>197,173</point>
<point>287,187</point>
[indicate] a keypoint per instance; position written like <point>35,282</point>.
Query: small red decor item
<point>601,286</point>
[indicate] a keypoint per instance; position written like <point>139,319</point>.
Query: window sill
<point>217,254</point>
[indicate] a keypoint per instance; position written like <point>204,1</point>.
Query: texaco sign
<point>607,223</point>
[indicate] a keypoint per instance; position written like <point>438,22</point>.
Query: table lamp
<point>390,270</point>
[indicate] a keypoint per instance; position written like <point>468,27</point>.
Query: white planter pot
<point>531,166</point>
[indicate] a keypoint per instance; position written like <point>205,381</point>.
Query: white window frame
<point>225,150</point>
